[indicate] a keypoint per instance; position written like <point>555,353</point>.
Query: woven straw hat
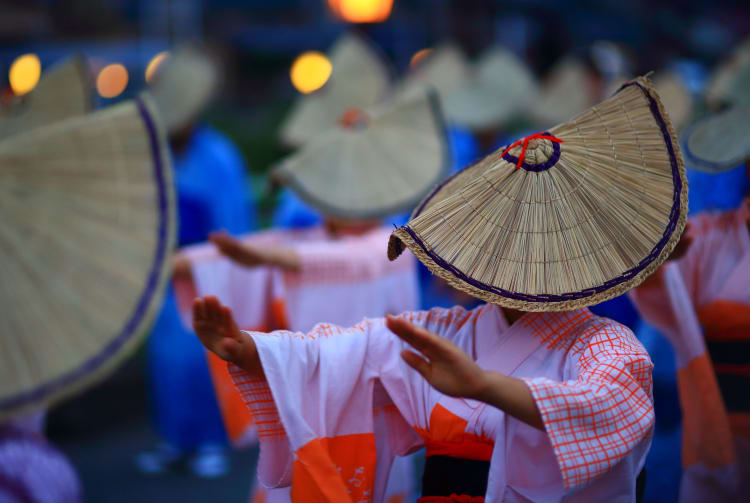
<point>88,226</point>
<point>719,142</point>
<point>64,91</point>
<point>359,78</point>
<point>500,87</point>
<point>445,69</point>
<point>373,163</point>
<point>675,96</point>
<point>730,83</point>
<point>596,205</point>
<point>566,91</point>
<point>184,85</point>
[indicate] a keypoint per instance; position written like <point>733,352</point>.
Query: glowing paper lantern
<point>24,73</point>
<point>362,11</point>
<point>154,64</point>
<point>310,71</point>
<point>112,80</point>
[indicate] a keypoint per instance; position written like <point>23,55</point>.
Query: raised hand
<point>216,329</point>
<point>447,368</point>
<point>252,256</point>
<point>181,266</point>
<point>232,248</point>
<point>452,372</point>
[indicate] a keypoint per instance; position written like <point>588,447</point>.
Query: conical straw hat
<point>64,91</point>
<point>719,142</point>
<point>184,86</point>
<point>501,87</point>
<point>566,91</point>
<point>675,96</point>
<point>88,227</point>
<point>445,69</point>
<point>376,163</point>
<point>579,222</point>
<point>359,79</point>
<point>730,83</point>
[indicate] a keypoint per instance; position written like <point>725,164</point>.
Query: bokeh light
<point>362,11</point>
<point>310,71</point>
<point>112,80</point>
<point>418,57</point>
<point>24,73</point>
<point>154,64</point>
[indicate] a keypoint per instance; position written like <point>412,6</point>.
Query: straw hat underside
<point>89,222</point>
<point>63,92</point>
<point>503,86</point>
<point>359,79</point>
<point>592,226</point>
<point>184,86</point>
<point>676,98</point>
<point>720,142</point>
<point>445,70</point>
<point>374,172</point>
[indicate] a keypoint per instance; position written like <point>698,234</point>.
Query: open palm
<point>446,367</point>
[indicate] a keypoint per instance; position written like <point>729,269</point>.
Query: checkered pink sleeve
<point>597,418</point>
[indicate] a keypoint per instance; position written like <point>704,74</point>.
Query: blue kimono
<point>212,193</point>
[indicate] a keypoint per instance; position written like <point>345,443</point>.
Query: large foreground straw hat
<point>64,91</point>
<point>500,87</point>
<point>184,86</point>
<point>445,69</point>
<point>562,219</point>
<point>719,142</point>
<point>359,79</point>
<point>566,91</point>
<point>374,163</point>
<point>88,226</point>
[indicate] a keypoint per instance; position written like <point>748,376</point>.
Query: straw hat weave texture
<point>64,91</point>
<point>589,214</point>
<point>88,228</point>
<point>360,78</point>
<point>374,163</point>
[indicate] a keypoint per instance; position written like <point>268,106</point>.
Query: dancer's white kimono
<point>702,304</point>
<point>590,378</point>
<point>341,280</point>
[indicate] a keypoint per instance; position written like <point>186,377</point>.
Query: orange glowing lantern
<point>361,11</point>
<point>112,80</point>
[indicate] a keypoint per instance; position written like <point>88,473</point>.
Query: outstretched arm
<point>216,329</point>
<point>451,371</point>
<point>254,256</point>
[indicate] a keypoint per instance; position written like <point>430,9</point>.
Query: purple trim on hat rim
<point>674,216</point>
<point>542,166</point>
<point>143,303</point>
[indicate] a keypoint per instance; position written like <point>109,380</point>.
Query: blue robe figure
<point>293,213</point>
<point>212,192</point>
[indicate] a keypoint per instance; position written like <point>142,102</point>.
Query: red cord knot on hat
<point>353,118</point>
<point>525,144</point>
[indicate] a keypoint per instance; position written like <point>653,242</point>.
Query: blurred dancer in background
<point>701,303</point>
<point>289,279</point>
<point>212,192</point>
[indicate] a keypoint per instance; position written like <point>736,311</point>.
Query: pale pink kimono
<point>706,296</point>
<point>342,280</point>
<point>590,377</point>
